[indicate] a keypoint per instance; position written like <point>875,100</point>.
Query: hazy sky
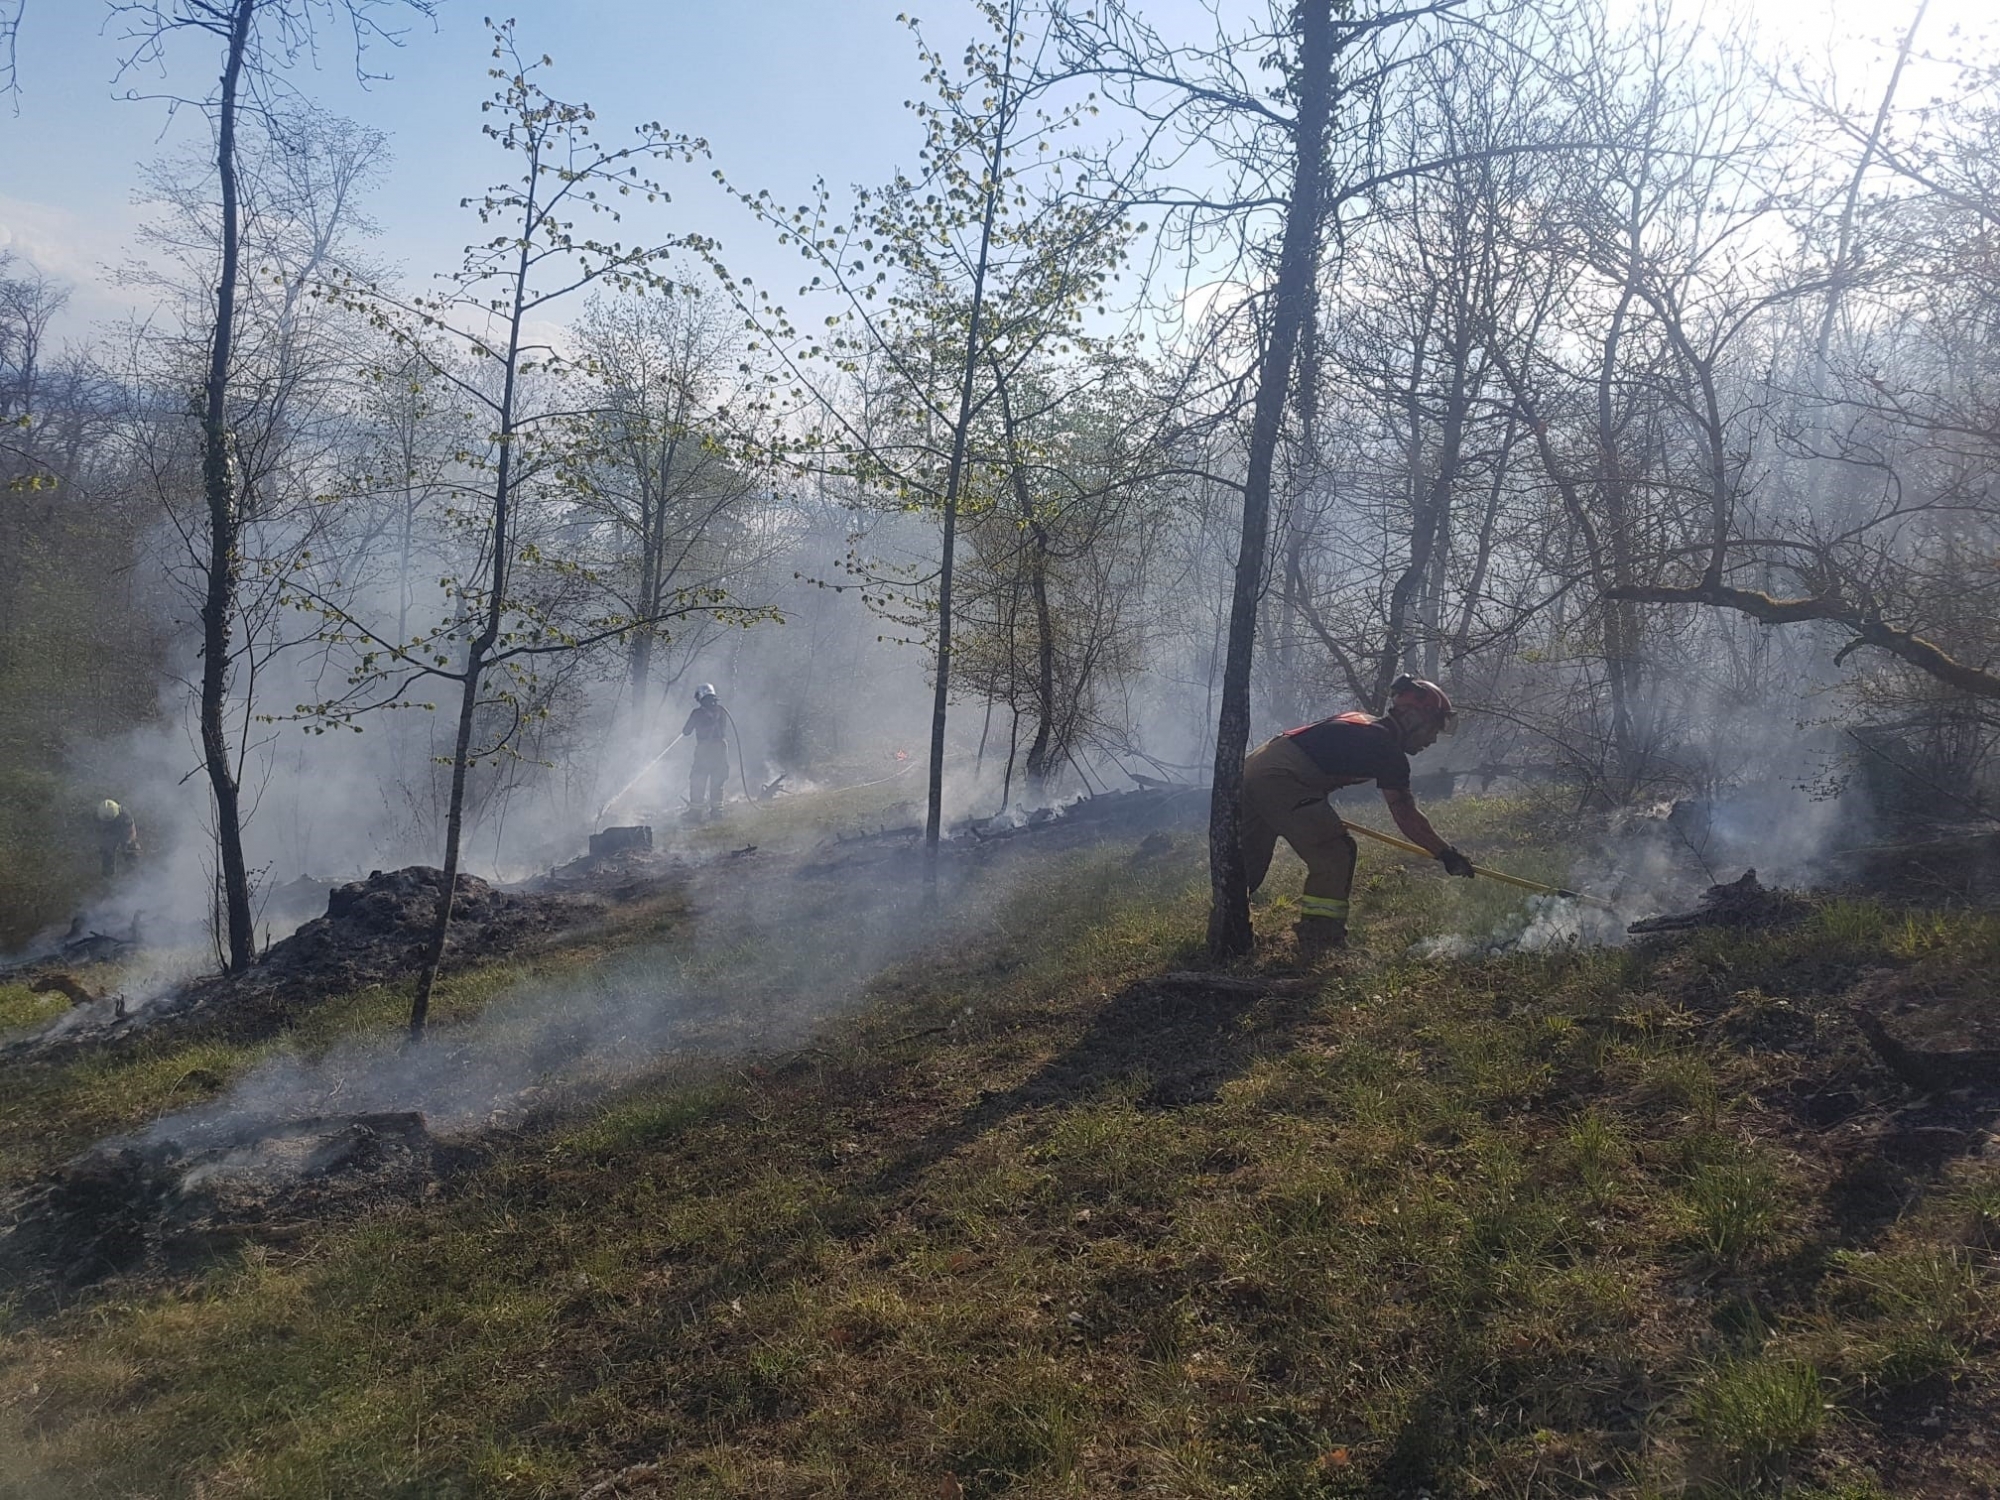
<point>782,89</point>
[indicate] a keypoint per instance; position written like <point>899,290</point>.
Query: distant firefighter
<point>117,837</point>
<point>709,724</point>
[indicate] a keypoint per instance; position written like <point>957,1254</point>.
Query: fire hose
<point>1500,875</point>
<point>742,775</point>
<point>636,775</point>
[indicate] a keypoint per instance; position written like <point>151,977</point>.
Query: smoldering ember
<point>1058,750</point>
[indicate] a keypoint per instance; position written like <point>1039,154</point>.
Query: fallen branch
<point>1958,1067</point>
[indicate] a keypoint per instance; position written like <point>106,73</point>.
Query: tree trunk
<point>955,474</point>
<point>1229,932</point>
<point>653,570</point>
<point>1040,752</point>
<point>218,609</point>
<point>1428,527</point>
<point>639,666</point>
<point>1013,744</point>
<point>1482,560</point>
<point>1043,750</point>
<point>454,830</point>
<point>1294,608</point>
<point>476,651</point>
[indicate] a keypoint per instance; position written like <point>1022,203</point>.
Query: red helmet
<point>1426,697</point>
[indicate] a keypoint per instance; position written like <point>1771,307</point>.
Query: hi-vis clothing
<point>1285,785</point>
<point>708,778</point>
<point>117,841</point>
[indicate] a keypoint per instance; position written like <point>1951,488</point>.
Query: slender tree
<point>977,262</point>
<point>519,605</point>
<point>256,38</point>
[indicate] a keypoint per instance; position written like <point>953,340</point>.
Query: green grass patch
<point>21,1006</point>
<point>1756,1415</point>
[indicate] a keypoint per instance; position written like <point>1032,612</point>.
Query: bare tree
<point>657,462</point>
<point>11,14</point>
<point>256,39</point>
<point>1895,421</point>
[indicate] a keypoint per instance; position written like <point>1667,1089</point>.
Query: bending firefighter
<point>1285,785</point>
<point>710,776</point>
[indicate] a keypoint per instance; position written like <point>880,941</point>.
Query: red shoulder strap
<point>1354,718</point>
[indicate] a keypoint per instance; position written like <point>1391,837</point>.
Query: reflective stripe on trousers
<point>1323,906</point>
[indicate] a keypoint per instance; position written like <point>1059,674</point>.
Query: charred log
<point>1743,902</point>
<point>1930,1071</point>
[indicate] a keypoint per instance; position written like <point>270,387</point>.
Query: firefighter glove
<point>1455,863</point>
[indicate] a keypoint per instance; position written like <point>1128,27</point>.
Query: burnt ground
<point>167,1206</point>
<point>157,1204</point>
<point>373,931</point>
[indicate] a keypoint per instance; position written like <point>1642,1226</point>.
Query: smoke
<point>773,957</point>
<point>1661,858</point>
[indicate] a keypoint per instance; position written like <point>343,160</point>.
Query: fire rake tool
<point>1504,878</point>
<point>635,778</point>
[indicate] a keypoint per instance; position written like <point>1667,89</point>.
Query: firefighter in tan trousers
<point>1285,785</point>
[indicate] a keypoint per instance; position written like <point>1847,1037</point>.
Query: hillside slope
<point>1040,1216</point>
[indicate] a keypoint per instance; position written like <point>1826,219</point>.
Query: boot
<point>1319,936</point>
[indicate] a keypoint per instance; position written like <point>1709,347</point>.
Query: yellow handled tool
<point>1527,885</point>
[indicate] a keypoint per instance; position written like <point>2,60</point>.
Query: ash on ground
<point>1158,808</point>
<point>136,1205</point>
<point>374,931</point>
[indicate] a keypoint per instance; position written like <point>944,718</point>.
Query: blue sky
<point>782,89</point>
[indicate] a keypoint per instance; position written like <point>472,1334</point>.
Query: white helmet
<point>705,692</point>
<point>107,811</point>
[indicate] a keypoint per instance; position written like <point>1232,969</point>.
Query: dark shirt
<point>705,723</point>
<point>119,832</point>
<point>1353,748</point>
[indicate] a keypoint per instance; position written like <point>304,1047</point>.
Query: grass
<point>1922,1311</point>
<point>1030,1224</point>
<point>1755,1415</point>
<point>1733,1206</point>
<point>21,1006</point>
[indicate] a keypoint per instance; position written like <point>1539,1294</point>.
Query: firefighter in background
<point>709,778</point>
<point>117,837</point>
<point>1285,785</point>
